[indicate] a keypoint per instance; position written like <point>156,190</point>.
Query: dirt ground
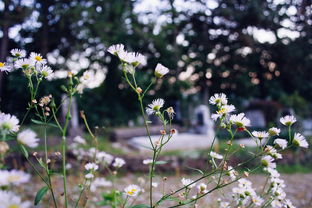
<point>299,189</point>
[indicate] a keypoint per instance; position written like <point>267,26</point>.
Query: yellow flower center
<point>132,191</point>
<point>222,111</point>
<point>38,58</point>
<point>13,206</point>
<point>13,178</point>
<point>2,64</point>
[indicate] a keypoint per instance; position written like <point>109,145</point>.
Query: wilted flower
<point>300,141</point>
<point>91,166</point>
<point>282,143</point>
<point>218,99</point>
<point>161,70</point>
<point>11,200</point>
<point>132,190</point>
<point>4,67</point>
<point>240,120</point>
<point>9,122</point>
<point>274,131</point>
<point>155,106</point>
<point>288,120</point>
<point>28,138</point>
<point>187,182</point>
<point>260,134</point>
<point>119,162</point>
<point>216,155</point>
<point>18,53</point>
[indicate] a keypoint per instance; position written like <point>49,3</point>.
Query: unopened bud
<point>246,174</point>
<point>162,132</point>
<point>139,90</point>
<point>173,131</point>
<point>4,147</point>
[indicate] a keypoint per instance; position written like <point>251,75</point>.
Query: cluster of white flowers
<point>35,63</point>
<point>224,113</point>
<point>244,194</point>
<point>131,60</point>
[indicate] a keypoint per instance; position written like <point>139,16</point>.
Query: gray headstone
<point>256,118</point>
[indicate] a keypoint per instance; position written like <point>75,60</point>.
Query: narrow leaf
<point>40,194</point>
<point>141,206</point>
<point>160,162</point>
<point>24,151</point>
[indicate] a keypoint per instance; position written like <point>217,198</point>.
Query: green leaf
<point>198,170</point>
<point>42,123</point>
<point>24,151</point>
<point>141,206</point>
<point>40,194</point>
<point>160,162</point>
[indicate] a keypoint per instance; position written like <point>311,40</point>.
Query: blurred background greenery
<point>247,49</point>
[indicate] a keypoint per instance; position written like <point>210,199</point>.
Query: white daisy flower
<point>218,99</point>
<point>14,177</point>
<point>300,141</point>
<point>132,190</point>
<point>155,106</point>
<point>155,185</point>
<point>4,67</point>
<point>273,172</point>
<point>11,200</point>
<point>104,158</point>
<point>18,53</point>
<point>276,204</point>
<point>273,152</point>
<point>78,139</point>
<point>186,182</point>
<point>116,49</point>
<point>138,59</point>
<point>147,161</point>
<point>288,120</point>
<point>225,205</point>
<point>24,63</point>
<point>91,166</point>
<point>37,58</point>
<point>240,120</point>
<point>258,201</point>
<point>216,155</point>
<point>282,143</point>
<point>202,188</point>
<point>89,176</point>
<point>268,161</point>
<point>99,183</point>
<point>28,138</point>
<point>119,162</point>
<point>289,204</point>
<point>46,72</point>
<point>274,131</point>
<point>9,122</point>
<point>260,134</point>
<point>223,111</point>
<point>161,70</point>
